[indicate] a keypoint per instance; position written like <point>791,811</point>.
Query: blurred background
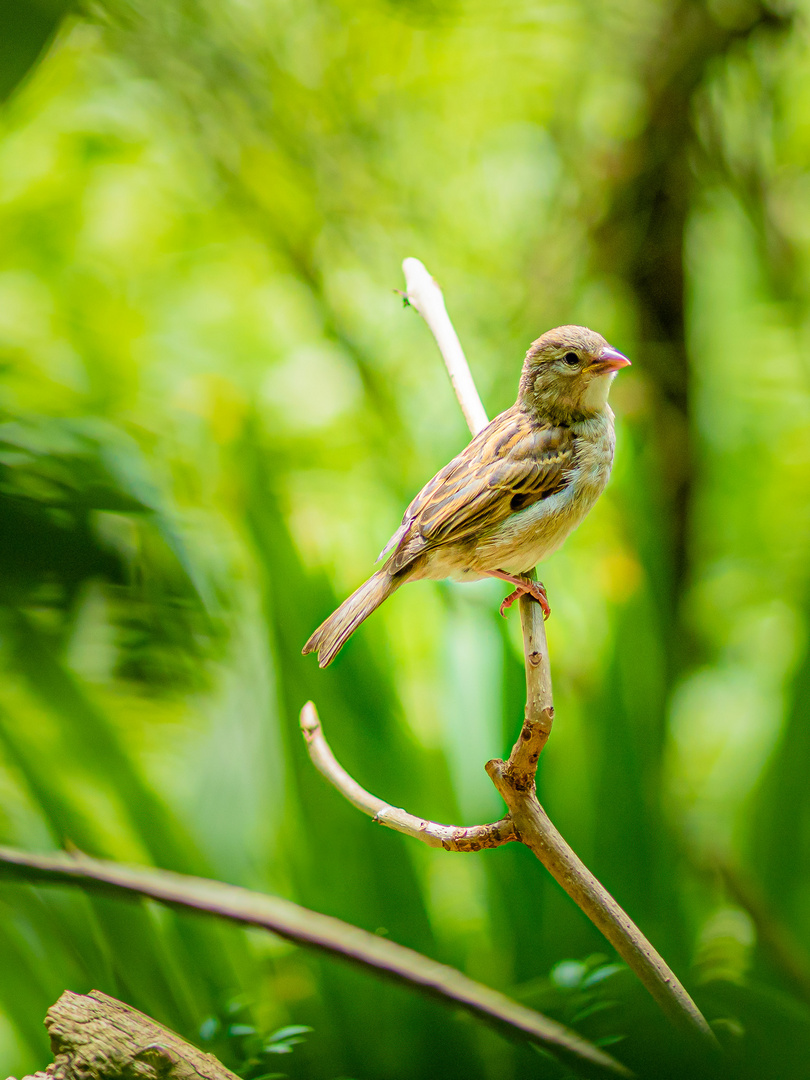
<point>213,410</point>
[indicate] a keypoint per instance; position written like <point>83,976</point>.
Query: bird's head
<point>567,374</point>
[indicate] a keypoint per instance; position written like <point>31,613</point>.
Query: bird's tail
<point>331,635</point>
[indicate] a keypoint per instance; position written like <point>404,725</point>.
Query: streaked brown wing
<point>509,465</point>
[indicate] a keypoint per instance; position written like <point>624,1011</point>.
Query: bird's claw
<point>507,602</point>
<point>535,589</point>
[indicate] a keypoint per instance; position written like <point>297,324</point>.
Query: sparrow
<point>513,495</point>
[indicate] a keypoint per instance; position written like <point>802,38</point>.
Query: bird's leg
<point>523,586</point>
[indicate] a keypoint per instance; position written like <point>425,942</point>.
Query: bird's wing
<point>511,464</point>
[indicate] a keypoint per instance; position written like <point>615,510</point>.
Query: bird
<point>513,494</point>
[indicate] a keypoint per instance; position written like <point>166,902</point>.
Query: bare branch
<point>424,294</point>
<point>537,832</point>
<point>314,931</point>
<point>527,821</point>
<point>515,779</point>
<point>449,837</point>
<point>539,714</point>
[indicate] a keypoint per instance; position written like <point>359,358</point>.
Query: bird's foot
<point>524,587</point>
<point>507,601</point>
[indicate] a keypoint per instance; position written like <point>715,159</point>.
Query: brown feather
<point>331,635</point>
<point>514,462</point>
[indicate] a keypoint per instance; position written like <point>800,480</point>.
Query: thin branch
<point>539,713</point>
<point>515,779</point>
<point>538,833</point>
<point>449,837</point>
<point>424,294</point>
<point>527,822</point>
<point>314,931</point>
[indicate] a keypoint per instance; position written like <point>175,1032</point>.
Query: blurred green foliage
<point>212,411</point>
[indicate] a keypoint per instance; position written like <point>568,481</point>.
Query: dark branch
<point>315,931</point>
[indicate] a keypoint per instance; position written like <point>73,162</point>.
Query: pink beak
<point>610,359</point>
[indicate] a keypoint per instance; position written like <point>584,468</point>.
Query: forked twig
<point>449,837</point>
<point>526,821</point>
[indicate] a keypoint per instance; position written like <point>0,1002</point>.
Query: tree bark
<point>96,1037</point>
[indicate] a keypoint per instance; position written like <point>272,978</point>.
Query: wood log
<point>95,1037</point>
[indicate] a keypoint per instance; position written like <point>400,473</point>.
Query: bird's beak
<point>609,359</point>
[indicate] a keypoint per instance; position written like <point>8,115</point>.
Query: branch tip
<point>424,294</point>
<point>310,721</point>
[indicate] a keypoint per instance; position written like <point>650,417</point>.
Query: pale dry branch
<point>535,829</point>
<point>449,837</point>
<point>515,779</point>
<point>424,294</point>
<point>539,714</point>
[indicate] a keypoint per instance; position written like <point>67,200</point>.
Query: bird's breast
<point>532,534</point>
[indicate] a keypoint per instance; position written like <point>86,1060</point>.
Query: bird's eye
<point>571,358</point>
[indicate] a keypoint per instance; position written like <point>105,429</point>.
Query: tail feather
<point>331,635</point>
